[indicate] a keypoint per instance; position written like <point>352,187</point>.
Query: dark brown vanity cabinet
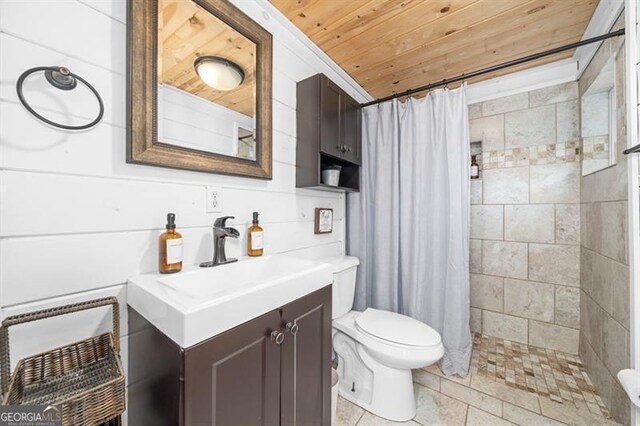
<point>305,375</point>
<point>272,370</point>
<point>234,378</point>
<point>328,133</point>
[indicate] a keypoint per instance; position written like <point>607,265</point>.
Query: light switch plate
<point>214,199</point>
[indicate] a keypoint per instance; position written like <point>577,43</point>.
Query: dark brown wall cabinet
<point>273,370</point>
<point>329,133</point>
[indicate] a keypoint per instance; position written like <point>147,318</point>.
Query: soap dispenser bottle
<point>255,238</point>
<point>475,169</point>
<point>170,248</point>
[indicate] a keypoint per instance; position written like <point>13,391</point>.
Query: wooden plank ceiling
<point>389,46</point>
<point>187,31</point>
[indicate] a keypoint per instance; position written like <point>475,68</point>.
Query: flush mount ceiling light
<point>219,73</point>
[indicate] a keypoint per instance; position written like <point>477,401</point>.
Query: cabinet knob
<point>292,328</point>
<point>348,149</point>
<point>277,336</point>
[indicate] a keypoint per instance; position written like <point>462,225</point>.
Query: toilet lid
<point>397,328</point>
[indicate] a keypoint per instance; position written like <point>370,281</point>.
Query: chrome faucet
<point>220,233</point>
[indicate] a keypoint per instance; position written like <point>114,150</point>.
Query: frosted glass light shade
<point>219,73</point>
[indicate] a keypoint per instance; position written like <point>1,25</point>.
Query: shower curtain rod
<point>498,67</point>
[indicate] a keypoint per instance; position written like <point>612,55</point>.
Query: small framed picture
<point>324,221</point>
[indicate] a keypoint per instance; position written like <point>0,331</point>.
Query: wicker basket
<point>85,379</point>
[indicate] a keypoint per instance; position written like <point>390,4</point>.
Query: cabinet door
<point>306,361</point>
<point>350,128</point>
<point>330,118</point>
<point>234,378</point>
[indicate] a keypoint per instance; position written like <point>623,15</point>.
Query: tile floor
<point>509,383</point>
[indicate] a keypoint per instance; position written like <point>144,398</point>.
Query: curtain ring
<point>63,79</point>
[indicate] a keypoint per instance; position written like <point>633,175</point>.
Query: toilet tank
<point>344,283</point>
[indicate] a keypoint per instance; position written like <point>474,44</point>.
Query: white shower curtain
<point>409,224</point>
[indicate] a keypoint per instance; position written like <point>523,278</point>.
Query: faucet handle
<point>221,221</point>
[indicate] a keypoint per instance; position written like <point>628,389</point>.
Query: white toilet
<point>377,349</point>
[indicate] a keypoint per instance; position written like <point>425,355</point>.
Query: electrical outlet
<point>214,199</point>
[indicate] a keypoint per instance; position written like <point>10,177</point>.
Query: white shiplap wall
<point>193,122</point>
<point>75,220</point>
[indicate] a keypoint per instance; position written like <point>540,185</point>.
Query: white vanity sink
<point>199,303</point>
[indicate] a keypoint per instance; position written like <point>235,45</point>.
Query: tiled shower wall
<point>604,284</point>
<point>525,218</point>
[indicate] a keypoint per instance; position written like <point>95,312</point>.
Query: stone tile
<point>506,393</point>
<point>554,264</point>
<point>486,292</point>
<point>489,131</point>
<point>567,306</point>
<point>621,295</point>
<point>530,223</point>
<point>555,183</point>
<point>506,186</point>
<point>529,299</point>
<point>553,336</point>
<point>603,269</point>
<point>472,397</point>
<point>605,228</point>
<point>505,104</point>
<point>616,348</point>
<point>568,223</point>
<point>523,417</point>
<point>592,321</point>
<point>583,223</point>
<point>369,419</point>
<point>545,373</point>
<point>504,258</point>
<point>475,110</point>
<point>591,226</point>
<point>348,413</point>
<point>568,119</point>
<point>529,127</point>
<point>477,417</point>
<point>553,94</point>
<point>586,264</point>
<point>609,184</point>
<point>620,405</point>
<point>434,408</point>
<point>424,378</point>
<point>476,191</point>
<point>598,373</point>
<point>475,256</point>
<point>504,326</point>
<point>614,230</point>
<point>487,222</point>
<point>571,415</point>
<point>475,321</point>
<point>434,369</point>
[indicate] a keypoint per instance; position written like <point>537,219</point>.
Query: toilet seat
<point>397,329</point>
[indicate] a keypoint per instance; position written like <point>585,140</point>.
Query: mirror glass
<point>206,82</point>
<point>598,120</point>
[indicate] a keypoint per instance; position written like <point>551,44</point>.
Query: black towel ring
<point>63,79</point>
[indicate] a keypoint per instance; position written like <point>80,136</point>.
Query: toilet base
<point>384,391</point>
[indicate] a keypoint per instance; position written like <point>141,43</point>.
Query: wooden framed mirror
<point>198,88</point>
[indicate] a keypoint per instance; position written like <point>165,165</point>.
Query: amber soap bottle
<point>475,169</point>
<point>255,237</point>
<point>170,248</point>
